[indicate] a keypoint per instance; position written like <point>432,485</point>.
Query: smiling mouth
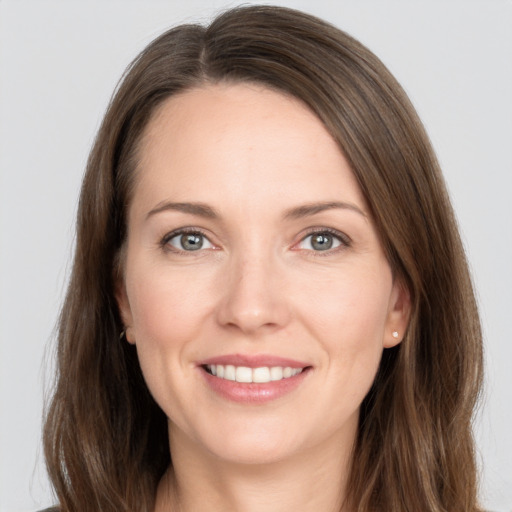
<point>244,374</point>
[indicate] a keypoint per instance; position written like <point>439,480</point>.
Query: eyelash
<point>344,240</point>
<point>164,242</point>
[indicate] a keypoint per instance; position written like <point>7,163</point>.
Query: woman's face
<point>251,254</point>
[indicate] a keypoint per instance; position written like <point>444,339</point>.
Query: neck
<point>312,481</point>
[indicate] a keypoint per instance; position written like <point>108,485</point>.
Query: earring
<point>122,335</point>
<point>395,335</point>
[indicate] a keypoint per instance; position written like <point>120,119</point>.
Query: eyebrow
<point>200,209</point>
<point>314,208</point>
<point>298,212</point>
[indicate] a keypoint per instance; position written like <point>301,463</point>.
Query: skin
<point>258,286</point>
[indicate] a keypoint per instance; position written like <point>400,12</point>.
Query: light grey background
<point>60,61</point>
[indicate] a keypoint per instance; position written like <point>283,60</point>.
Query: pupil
<point>321,242</point>
<point>191,242</point>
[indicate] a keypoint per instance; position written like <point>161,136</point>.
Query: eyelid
<point>345,240</point>
<point>164,241</point>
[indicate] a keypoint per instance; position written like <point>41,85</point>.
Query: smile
<point>245,374</point>
<point>255,378</point>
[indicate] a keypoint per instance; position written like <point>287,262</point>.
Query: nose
<point>254,298</point>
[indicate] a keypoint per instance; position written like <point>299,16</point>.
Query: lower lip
<point>253,392</point>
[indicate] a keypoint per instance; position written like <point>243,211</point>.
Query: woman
<point>270,306</point>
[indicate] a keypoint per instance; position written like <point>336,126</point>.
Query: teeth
<point>259,375</point>
<point>243,374</point>
<point>229,372</point>
<point>276,373</point>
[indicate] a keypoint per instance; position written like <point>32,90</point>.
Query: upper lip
<point>253,361</point>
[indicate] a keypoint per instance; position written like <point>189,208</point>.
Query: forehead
<point>243,142</point>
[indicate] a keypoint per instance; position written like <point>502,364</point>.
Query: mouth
<point>245,374</point>
<point>253,379</point>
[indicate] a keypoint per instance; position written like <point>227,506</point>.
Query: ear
<point>398,315</point>
<point>125,310</point>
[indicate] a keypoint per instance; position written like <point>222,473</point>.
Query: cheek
<point>349,319</point>
<point>166,306</point>
<point>167,318</point>
<point>352,308</point>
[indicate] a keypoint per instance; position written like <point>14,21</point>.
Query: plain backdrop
<point>59,63</point>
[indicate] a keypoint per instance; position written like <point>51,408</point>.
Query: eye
<point>188,241</point>
<point>322,241</point>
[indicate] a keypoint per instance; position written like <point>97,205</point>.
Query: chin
<point>255,453</point>
<point>252,446</point>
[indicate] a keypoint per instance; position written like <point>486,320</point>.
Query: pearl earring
<point>395,335</point>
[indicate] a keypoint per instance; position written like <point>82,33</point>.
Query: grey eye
<point>320,242</point>
<point>190,242</point>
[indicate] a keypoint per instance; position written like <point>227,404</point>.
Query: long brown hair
<point>105,438</point>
